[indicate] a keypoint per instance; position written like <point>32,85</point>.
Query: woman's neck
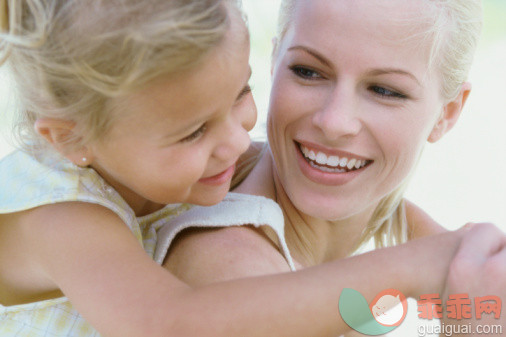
<point>311,240</point>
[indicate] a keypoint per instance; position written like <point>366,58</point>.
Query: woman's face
<point>352,104</point>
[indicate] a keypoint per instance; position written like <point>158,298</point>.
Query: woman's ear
<point>60,134</point>
<point>450,115</point>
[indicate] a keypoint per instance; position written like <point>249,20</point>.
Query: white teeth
<point>321,158</point>
<point>327,169</point>
<point>337,164</point>
<point>333,161</point>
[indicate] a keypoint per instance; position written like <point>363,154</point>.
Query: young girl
<point>130,110</point>
<point>358,88</point>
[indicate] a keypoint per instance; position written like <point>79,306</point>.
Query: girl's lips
<point>322,177</point>
<point>220,178</point>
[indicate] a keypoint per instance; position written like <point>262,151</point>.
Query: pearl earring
<point>84,159</point>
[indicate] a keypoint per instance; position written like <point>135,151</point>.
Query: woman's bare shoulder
<point>200,256</point>
<point>420,223</point>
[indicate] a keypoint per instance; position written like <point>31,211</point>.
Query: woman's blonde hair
<point>69,57</point>
<point>453,28</point>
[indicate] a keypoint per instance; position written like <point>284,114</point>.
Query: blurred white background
<point>459,179</point>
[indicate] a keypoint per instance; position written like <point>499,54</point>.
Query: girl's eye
<point>246,90</point>
<point>384,92</point>
<point>196,134</point>
<point>305,73</point>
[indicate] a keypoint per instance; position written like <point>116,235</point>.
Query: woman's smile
<point>329,168</point>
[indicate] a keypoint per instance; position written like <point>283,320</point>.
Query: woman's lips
<point>339,176</point>
<point>220,178</point>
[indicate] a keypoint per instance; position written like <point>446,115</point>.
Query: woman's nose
<point>339,115</point>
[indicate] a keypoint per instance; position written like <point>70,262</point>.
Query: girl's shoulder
<point>41,200</point>
<point>28,237</point>
<point>86,251</point>
<point>35,180</point>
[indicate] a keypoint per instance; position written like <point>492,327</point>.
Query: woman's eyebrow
<point>386,71</point>
<point>311,52</point>
<point>374,72</point>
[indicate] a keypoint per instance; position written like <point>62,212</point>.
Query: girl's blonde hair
<point>453,28</point>
<point>69,57</point>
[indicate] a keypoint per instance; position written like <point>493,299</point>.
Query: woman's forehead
<point>398,25</point>
<point>397,16</point>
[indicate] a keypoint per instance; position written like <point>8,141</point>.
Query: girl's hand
<point>478,270</point>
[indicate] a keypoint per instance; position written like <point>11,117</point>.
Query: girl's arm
<point>88,253</point>
<point>206,256</point>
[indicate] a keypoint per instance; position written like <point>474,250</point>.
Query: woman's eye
<point>384,92</point>
<point>196,134</point>
<point>305,73</point>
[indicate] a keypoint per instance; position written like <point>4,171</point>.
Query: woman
<point>359,87</point>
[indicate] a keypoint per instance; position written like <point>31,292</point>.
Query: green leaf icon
<point>355,312</point>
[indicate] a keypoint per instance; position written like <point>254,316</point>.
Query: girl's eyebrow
<point>311,52</point>
<point>250,72</point>
<point>201,119</point>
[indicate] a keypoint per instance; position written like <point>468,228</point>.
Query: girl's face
<point>352,104</point>
<point>178,140</point>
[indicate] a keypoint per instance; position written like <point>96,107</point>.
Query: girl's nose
<point>248,115</point>
<point>236,140</point>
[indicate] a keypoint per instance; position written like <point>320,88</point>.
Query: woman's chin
<point>325,211</point>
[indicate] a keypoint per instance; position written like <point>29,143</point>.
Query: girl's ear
<point>450,115</point>
<point>60,134</point>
